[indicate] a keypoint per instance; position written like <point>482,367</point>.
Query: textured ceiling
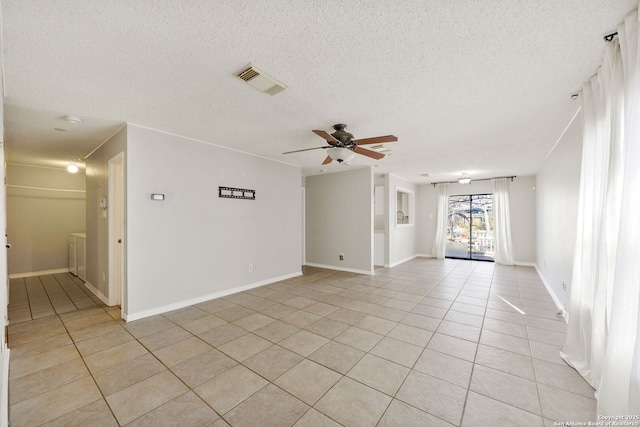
<point>467,86</point>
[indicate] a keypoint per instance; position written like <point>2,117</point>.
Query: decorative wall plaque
<point>236,193</point>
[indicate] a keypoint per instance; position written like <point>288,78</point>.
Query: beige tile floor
<point>427,343</point>
<point>42,296</point>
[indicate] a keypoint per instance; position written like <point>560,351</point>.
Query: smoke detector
<point>73,119</point>
<point>260,80</point>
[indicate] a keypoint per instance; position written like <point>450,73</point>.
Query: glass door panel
<point>470,227</point>
<point>459,227</point>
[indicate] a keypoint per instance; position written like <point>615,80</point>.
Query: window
<point>404,207</point>
<point>470,227</point>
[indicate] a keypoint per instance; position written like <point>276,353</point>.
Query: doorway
<point>115,208</point>
<point>470,232</point>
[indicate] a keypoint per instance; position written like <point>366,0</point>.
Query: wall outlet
<point>341,257</point>
<point>250,268</point>
<point>104,276</point>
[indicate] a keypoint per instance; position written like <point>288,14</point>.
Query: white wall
<point>39,221</point>
<point>426,207</point>
<point>557,188</point>
<point>339,219</point>
<point>97,224</point>
<point>522,199</point>
<point>194,245</point>
<point>401,239</point>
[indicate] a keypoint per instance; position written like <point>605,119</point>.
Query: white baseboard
<point>425,255</point>
<point>554,297</point>
<point>129,317</point>
<point>38,273</point>
<point>333,267</point>
<point>97,293</point>
<point>402,261</point>
<point>525,264</point>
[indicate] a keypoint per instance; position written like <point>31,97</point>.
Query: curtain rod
<point>609,37</point>
<point>473,180</point>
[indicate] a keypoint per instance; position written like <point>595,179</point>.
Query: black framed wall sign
<point>236,193</point>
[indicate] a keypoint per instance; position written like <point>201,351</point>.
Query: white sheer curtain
<point>602,340</point>
<point>440,240</point>
<point>620,383</point>
<point>502,221</point>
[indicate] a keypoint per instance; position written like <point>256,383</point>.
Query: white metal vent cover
<point>380,148</point>
<point>260,80</point>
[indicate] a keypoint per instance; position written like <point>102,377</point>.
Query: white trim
<point>304,225</point>
<point>552,294</point>
<point>4,391</point>
<point>425,255</point>
<point>410,206</point>
<point>210,143</point>
<point>115,294</point>
<point>124,125</point>
<point>402,261</point>
<point>560,137</point>
<point>97,293</point>
<point>333,267</point>
<point>129,317</point>
<point>38,273</point>
<point>45,189</point>
<point>524,264</point>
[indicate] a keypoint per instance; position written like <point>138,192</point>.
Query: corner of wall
<point>561,307</point>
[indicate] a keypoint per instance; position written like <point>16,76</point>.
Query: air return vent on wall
<point>261,80</point>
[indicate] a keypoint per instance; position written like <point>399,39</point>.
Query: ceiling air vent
<point>380,148</point>
<point>261,80</point>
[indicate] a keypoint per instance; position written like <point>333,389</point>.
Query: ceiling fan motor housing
<point>345,138</point>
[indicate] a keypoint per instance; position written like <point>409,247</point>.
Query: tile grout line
<point>475,356</point>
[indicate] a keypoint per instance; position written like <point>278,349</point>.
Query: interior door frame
<point>304,226</point>
<point>4,298</point>
<point>115,207</point>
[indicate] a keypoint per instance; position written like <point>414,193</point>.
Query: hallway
<point>41,296</point>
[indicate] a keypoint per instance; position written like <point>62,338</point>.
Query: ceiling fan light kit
<point>342,146</point>
<point>340,154</point>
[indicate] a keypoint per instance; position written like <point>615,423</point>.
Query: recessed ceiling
<point>480,87</point>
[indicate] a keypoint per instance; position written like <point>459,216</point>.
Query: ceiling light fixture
<point>72,169</point>
<point>340,154</point>
<point>464,179</point>
<point>73,119</point>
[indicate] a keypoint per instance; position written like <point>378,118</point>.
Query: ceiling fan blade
<point>330,139</point>
<point>376,140</point>
<point>306,149</point>
<point>327,160</point>
<point>369,153</point>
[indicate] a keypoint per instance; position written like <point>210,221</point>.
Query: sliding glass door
<point>470,227</point>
